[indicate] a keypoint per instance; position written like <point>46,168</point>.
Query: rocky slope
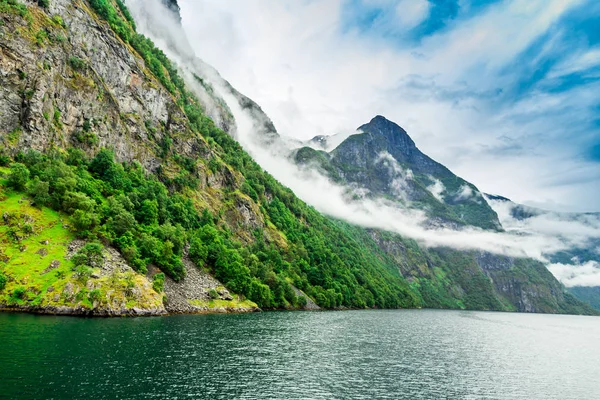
<point>63,69</point>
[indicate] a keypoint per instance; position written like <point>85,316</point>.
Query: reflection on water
<point>407,354</point>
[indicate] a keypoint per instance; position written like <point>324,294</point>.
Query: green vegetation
<point>152,219</point>
<point>14,7</point>
<point>19,175</point>
<point>3,281</point>
<point>77,63</point>
<point>318,257</point>
<point>118,203</point>
<point>158,282</point>
<point>56,118</point>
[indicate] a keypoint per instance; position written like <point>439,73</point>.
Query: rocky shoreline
<point>104,313</point>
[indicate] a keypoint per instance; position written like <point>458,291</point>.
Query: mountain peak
<point>380,125</point>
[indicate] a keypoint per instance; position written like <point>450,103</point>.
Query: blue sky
<point>505,93</point>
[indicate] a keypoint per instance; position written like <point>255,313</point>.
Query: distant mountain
<point>590,295</point>
<point>383,161</point>
<point>583,228</point>
<point>527,219</point>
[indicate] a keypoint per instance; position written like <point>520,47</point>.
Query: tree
<point>198,251</point>
<point>3,280</point>
<point>148,213</point>
<point>39,190</point>
<point>158,282</point>
<point>84,221</point>
<point>89,255</point>
<point>19,175</point>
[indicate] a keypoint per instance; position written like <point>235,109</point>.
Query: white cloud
<point>314,77</point>
<point>465,192</point>
<point>586,274</point>
<point>411,13</point>
<point>437,189</point>
<point>535,237</point>
<point>401,177</point>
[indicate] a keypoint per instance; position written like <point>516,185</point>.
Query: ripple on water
<point>407,354</point>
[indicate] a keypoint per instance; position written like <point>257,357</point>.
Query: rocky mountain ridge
<point>382,160</point>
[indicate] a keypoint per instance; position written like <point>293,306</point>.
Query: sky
<point>538,237</point>
<point>504,93</point>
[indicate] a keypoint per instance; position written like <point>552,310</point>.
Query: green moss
<point>57,118</point>
<point>224,304</point>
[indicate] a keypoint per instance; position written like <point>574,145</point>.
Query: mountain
<point>382,159</point>
<point>582,243</point>
<point>123,192</point>
<point>587,294</point>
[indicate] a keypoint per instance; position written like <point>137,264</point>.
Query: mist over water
<point>401,354</point>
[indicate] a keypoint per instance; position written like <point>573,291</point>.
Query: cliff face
<point>449,278</point>
<point>68,81</point>
<point>77,72</point>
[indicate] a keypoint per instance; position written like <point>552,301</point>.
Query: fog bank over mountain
<point>538,237</point>
<point>461,82</point>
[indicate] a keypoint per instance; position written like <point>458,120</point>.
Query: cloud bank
<point>536,238</point>
<point>504,93</point>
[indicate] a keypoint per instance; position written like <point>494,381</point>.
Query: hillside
<point>149,207</point>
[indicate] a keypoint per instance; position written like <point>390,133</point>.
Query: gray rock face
<point>49,90</point>
<point>489,262</point>
<point>193,293</point>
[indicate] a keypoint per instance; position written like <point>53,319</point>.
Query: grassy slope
<point>24,268</point>
<point>26,262</point>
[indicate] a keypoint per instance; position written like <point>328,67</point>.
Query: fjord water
<point>406,354</point>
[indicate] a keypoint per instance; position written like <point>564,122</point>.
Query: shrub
<point>3,280</point>
<point>4,160</point>
<point>57,19</point>
<point>18,293</point>
<point>86,137</point>
<point>56,118</point>
<point>158,282</point>
<point>213,294</point>
<point>77,63</point>
<point>44,3</point>
<point>41,37</point>
<point>89,255</point>
<point>19,175</point>
<point>39,191</point>
<point>82,273</point>
<point>95,295</point>
<point>301,301</point>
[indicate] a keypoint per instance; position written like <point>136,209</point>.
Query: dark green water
<point>416,354</point>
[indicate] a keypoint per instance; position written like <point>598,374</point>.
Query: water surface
<point>407,354</point>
